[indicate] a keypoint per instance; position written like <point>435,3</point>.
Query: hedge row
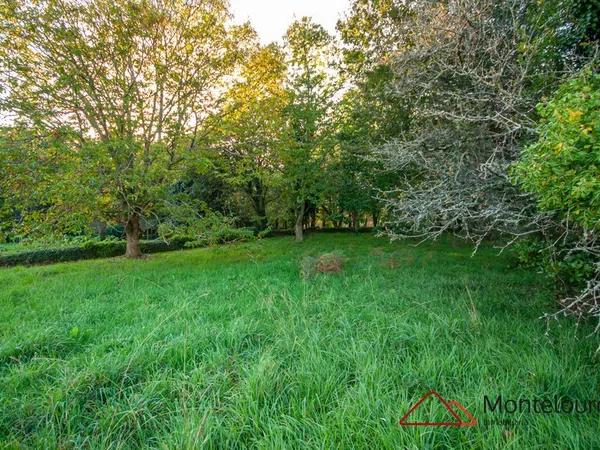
<point>109,249</point>
<point>89,250</point>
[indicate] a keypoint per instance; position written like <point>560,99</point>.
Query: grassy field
<point>230,347</point>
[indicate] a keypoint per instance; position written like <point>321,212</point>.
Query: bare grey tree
<point>475,71</point>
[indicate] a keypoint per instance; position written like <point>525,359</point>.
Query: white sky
<point>271,18</point>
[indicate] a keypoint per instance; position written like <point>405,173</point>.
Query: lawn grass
<point>229,347</point>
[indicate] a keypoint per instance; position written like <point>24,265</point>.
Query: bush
<point>567,269</point>
<point>267,232</point>
<point>92,248</point>
<point>561,168</point>
<point>222,237</point>
<point>210,229</point>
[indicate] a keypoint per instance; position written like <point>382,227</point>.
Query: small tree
<point>127,85</point>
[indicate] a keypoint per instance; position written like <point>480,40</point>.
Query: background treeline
<point>165,121</point>
<point>146,119</point>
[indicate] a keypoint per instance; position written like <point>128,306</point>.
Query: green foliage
<point>124,86</point>
<point>370,32</point>
<point>587,13</point>
<point>212,188</point>
<point>213,231</point>
<point>43,183</point>
<point>568,270</point>
<point>222,236</point>
<point>252,132</point>
<point>7,219</point>
<point>91,249</point>
<point>562,168</point>
<point>370,114</point>
<point>312,89</point>
<point>200,230</point>
<point>267,232</point>
<point>365,118</point>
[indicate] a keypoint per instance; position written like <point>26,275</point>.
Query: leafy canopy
<point>127,86</point>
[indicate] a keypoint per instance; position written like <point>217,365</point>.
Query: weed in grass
<point>391,263</point>
<point>327,263</point>
<point>377,251</point>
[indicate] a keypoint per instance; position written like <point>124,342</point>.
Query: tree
<point>312,90</point>
<point>372,33</point>
<point>371,112</point>
<point>253,129</point>
<point>127,86</point>
<point>474,71</point>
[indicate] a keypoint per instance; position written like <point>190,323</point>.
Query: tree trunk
<point>256,191</point>
<point>324,217</point>
<point>354,216</point>
<point>262,218</point>
<point>261,211</point>
<point>132,231</point>
<point>298,229</point>
<point>375,219</point>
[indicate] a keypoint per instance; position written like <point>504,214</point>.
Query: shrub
<point>222,237</point>
<point>562,167</point>
<point>566,268</point>
<point>267,232</point>
<point>210,229</point>
<point>92,248</point>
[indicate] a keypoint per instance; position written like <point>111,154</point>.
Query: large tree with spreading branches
<point>126,88</point>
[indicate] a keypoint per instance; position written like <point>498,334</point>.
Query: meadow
<point>230,347</point>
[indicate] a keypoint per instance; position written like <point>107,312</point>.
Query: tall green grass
<point>230,347</point>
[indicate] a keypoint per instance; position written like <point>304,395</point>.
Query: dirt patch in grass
<point>396,261</point>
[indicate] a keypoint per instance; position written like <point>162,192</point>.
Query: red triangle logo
<point>452,406</point>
